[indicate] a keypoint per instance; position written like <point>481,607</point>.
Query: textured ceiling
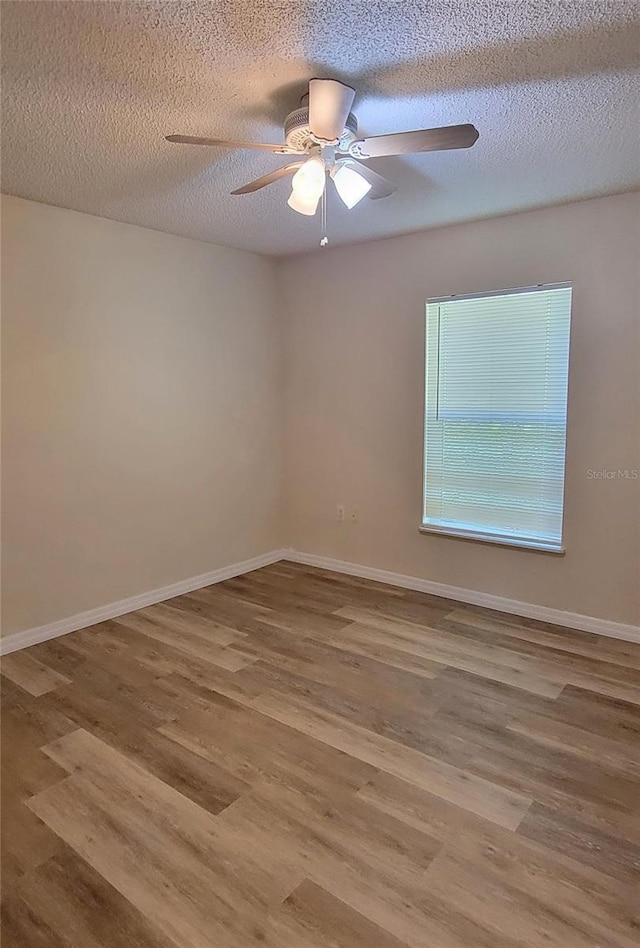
<point>90,89</point>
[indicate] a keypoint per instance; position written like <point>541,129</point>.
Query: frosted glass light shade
<point>309,180</point>
<point>307,187</point>
<point>350,185</point>
<point>303,205</point>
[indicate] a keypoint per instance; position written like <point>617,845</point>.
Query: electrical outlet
<point>340,512</point>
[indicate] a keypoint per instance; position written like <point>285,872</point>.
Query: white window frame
<point>470,534</point>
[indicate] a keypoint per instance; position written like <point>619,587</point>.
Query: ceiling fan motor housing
<point>298,136</point>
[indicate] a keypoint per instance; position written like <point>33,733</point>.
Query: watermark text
<point>613,474</point>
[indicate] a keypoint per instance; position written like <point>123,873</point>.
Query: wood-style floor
<point>297,759</point>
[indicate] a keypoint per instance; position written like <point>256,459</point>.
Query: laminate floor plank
<point>191,688</point>
<point>110,646</point>
<point>420,649</point>
<point>468,696</point>
<point>252,746</point>
<point>387,653</point>
<point>411,719</point>
<point>350,672</point>
<point>374,866</point>
<point>203,781</point>
<point>565,832</point>
<point>29,673</point>
<point>598,713</point>
<point>58,654</point>
<point>313,918</point>
<point>196,885</point>
<point>120,723</point>
<point>505,807</point>
<point>25,841</point>
<point>301,759</point>
<point>377,877</point>
<point>613,651</point>
<point>586,643</point>
<point>579,893</point>
<point>35,771</point>
<point>348,840</point>
<point>579,742</point>
<point>219,606</point>
<point>493,900</point>
<point>554,658</point>
<point>558,665</point>
<point>36,721</point>
<point>199,638</point>
<point>608,799</point>
<point>67,904</point>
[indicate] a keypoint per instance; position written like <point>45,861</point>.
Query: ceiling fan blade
<point>406,143</point>
<point>330,102</point>
<point>268,178</point>
<point>381,187</point>
<point>221,143</point>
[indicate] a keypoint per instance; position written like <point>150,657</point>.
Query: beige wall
<point>143,386</point>
<point>141,411</point>
<point>354,382</point>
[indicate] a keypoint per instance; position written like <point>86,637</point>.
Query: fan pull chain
<point>324,240</point>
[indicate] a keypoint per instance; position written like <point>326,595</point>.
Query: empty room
<point>320,473</point>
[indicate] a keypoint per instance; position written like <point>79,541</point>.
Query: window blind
<point>495,415</point>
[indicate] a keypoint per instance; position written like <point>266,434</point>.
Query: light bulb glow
<point>303,205</point>
<point>308,182</point>
<point>350,185</point>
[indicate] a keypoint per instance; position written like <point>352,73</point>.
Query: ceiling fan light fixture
<point>308,182</point>
<point>350,185</point>
<point>323,132</point>
<point>303,205</point>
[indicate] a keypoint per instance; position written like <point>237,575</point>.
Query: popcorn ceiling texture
<point>90,89</point>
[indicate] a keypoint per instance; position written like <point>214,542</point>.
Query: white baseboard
<point>12,643</point>
<point>572,620</point>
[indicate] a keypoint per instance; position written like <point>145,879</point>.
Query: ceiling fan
<point>324,132</point>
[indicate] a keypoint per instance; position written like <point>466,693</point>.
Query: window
<point>496,415</point>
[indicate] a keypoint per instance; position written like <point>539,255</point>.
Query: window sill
<point>531,545</point>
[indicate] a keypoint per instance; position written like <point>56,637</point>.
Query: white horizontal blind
<point>495,415</point>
